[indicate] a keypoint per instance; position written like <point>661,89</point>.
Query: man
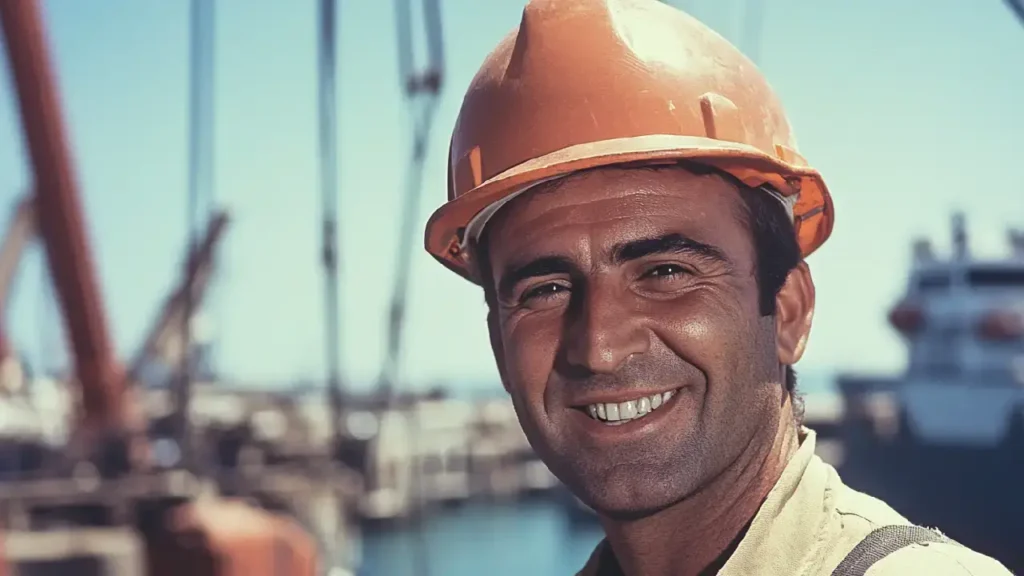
<point>625,187</point>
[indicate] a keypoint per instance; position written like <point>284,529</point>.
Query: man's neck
<point>696,536</point>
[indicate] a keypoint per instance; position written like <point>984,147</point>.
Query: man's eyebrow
<point>667,244</point>
<point>543,266</point>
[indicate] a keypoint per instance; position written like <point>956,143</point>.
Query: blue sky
<point>910,109</point>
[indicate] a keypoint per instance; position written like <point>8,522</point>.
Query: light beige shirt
<point>811,521</point>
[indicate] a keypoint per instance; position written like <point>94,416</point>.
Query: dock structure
<point>257,451</point>
<point>439,451</point>
<point>272,448</point>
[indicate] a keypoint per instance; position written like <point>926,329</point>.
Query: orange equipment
<point>229,538</point>
<point>588,83</point>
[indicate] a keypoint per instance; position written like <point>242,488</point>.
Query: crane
<point>59,218</point>
<point>180,535</point>
<point>166,342</point>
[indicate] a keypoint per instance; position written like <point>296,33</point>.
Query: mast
<point>329,208</point>
<point>200,184</point>
<point>961,250</point>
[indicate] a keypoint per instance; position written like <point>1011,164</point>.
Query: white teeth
<point>643,406</point>
<point>612,412</point>
<point>621,412</point>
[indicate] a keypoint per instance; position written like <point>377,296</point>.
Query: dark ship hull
<point>974,495</point>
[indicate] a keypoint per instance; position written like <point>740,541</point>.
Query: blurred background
<point>311,358</point>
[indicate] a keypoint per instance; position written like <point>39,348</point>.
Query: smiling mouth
<point>617,413</point>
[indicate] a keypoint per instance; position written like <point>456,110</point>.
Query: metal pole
<point>403,30</point>
<point>329,207</point>
<point>200,148</point>
<point>59,213</point>
<point>435,39</point>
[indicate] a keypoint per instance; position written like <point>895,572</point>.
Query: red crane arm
<point>59,213</point>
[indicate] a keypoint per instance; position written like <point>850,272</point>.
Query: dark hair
<point>776,250</point>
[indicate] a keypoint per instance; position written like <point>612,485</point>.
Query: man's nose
<point>603,330</point>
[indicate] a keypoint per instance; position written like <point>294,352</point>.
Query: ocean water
<point>477,540</point>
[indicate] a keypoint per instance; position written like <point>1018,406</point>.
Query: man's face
<point>629,336</point>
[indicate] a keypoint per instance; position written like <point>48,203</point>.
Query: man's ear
<point>497,348</point>
<point>794,310</point>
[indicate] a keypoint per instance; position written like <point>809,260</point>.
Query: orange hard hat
<point>588,83</point>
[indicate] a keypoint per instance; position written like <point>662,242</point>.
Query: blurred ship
<point>944,442</point>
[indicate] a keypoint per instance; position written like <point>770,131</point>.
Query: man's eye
<point>544,291</point>
<point>665,271</point>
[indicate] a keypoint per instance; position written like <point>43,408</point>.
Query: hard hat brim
<point>445,235</point>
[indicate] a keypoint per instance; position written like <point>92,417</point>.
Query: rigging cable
<point>421,91</point>
<point>329,207</point>
<point>421,95</point>
<point>200,185</point>
<point>1017,6</point>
